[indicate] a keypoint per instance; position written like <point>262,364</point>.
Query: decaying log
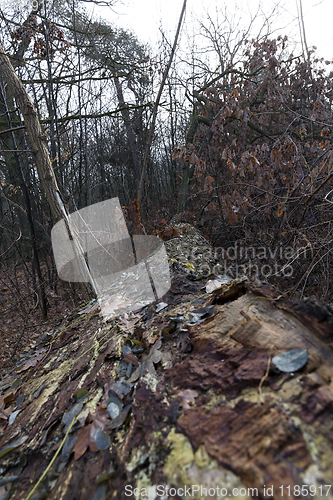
<point>204,412</point>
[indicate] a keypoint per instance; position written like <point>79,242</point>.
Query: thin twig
<point>53,459</point>
<point>264,377</point>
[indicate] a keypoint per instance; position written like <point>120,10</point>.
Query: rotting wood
<point>197,415</point>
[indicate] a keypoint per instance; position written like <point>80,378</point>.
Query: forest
<point>237,142</point>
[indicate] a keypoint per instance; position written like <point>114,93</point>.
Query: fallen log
<point>182,400</point>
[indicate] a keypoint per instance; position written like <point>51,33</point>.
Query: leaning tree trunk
<point>39,147</point>
<point>36,135</point>
<point>25,191</point>
<point>155,110</point>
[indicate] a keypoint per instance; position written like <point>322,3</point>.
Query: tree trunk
<point>41,293</point>
<point>37,137</point>
<point>129,129</point>
<point>157,102</point>
<point>205,406</point>
<point>39,147</point>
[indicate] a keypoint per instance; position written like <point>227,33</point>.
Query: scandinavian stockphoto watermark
<point>126,272</point>
<point>240,260</point>
<point>189,491</point>
<point>200,491</point>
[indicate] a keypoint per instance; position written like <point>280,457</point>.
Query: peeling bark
<point>204,403</point>
<point>36,135</point>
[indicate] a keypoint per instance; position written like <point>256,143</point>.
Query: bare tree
<point>156,105</point>
<point>39,147</point>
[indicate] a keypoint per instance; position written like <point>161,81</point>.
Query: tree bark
<point>129,129</point>
<point>35,132</point>
<point>39,147</point>
<point>206,406</point>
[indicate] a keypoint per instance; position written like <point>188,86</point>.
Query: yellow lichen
<point>180,458</point>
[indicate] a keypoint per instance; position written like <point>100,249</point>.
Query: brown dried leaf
<point>209,183</point>
<point>188,398</point>
<point>128,323</point>
<point>131,358</point>
<point>33,362</point>
<point>86,435</point>
<point>7,398</point>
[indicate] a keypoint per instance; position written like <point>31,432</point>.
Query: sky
<point>146,17</point>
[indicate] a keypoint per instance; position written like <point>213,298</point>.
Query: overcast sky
<point>144,17</point>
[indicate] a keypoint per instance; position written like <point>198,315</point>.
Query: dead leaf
<point>13,445</point>
<point>118,421</point>
<point>127,322</point>
<point>67,448</point>
<point>161,306</point>
<point>36,394</point>
<point>86,435</point>
<point>199,315</point>
<point>102,440</point>
<point>69,415</point>
<point>82,442</point>
<point>291,361</point>
<point>131,358</point>
<point>209,183</point>
<point>188,398</point>
<point>219,281</point>
<point>7,398</point>
<point>114,404</point>
<point>168,233</point>
<point>13,416</point>
<point>150,337</point>
<point>33,362</point>
<point>8,479</point>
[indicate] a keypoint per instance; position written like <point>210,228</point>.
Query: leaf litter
<point>85,375</point>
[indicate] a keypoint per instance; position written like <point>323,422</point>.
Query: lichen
<point>190,253</point>
<point>180,458</point>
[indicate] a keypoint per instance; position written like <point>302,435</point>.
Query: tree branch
<point>158,98</point>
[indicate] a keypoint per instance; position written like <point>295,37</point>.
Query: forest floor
<point>21,320</point>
